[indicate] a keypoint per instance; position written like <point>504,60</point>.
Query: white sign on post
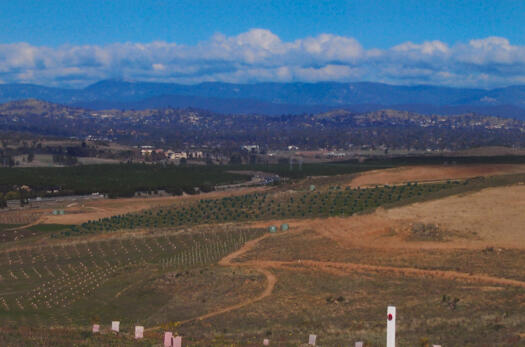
<point>96,328</point>
<point>266,342</point>
<point>311,339</point>
<point>176,341</point>
<point>139,332</point>
<point>391,327</point>
<point>167,338</point>
<point>115,326</point>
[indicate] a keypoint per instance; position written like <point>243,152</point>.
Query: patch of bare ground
<point>308,245</point>
<point>495,215</point>
<point>492,217</point>
<point>429,173</point>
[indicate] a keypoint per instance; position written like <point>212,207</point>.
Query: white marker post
<point>115,326</point>
<point>266,342</point>
<point>391,327</point>
<point>167,338</point>
<point>96,328</point>
<point>139,332</point>
<point>176,341</point>
<point>359,344</point>
<point>311,340</point>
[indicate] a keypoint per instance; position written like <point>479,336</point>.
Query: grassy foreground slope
<point>77,283</point>
<point>208,270</point>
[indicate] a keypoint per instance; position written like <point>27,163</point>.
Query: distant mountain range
<point>280,98</point>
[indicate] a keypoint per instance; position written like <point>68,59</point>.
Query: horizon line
<point>261,83</point>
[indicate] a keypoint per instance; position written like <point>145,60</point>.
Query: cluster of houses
<point>169,154</point>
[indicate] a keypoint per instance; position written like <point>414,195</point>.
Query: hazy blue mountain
<point>219,105</point>
<point>11,92</point>
<point>279,98</point>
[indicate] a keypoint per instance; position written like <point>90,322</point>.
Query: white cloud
<point>491,50</point>
<point>159,67</point>
<point>260,55</point>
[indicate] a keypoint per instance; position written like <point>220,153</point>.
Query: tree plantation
<point>336,201</point>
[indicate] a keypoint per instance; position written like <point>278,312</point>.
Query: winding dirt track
<point>228,261</point>
<point>337,268</point>
<point>270,284</point>
<point>271,280</point>
<point>343,268</point>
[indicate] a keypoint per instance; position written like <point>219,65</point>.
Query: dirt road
<point>337,268</point>
<point>229,261</point>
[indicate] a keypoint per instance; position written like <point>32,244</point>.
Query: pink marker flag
<point>167,338</point>
<point>115,325</point>
<point>96,328</point>
<point>139,332</point>
<point>177,341</point>
<point>266,342</point>
<point>311,339</point>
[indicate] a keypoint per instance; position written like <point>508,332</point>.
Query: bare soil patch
<point>496,215</point>
<point>493,217</point>
<point>429,173</point>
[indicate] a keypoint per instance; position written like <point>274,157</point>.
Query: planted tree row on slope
<point>262,206</point>
<point>44,283</point>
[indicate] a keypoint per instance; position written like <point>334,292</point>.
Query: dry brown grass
<point>335,276</point>
<point>429,173</point>
<point>493,217</point>
<point>496,215</point>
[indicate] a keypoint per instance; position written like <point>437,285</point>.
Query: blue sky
<point>74,43</point>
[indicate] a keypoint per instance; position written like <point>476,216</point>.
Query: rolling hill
<point>280,98</point>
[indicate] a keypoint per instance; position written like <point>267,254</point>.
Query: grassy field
<point>209,270</point>
<point>425,301</point>
<point>74,283</point>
